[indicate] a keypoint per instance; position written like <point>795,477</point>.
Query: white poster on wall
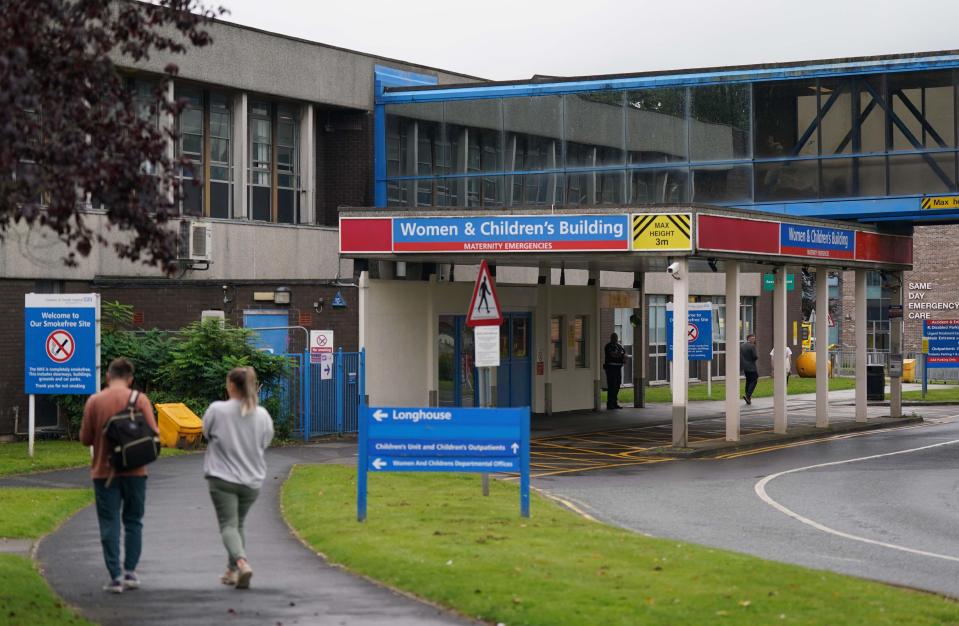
<point>486,343</point>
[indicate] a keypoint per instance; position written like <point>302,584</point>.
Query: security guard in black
<point>615,357</point>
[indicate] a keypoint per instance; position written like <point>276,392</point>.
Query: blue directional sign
<point>699,332</point>
<point>943,339</point>
<point>443,439</point>
<point>60,343</point>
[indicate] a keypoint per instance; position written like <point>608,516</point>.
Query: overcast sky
<point>508,39</point>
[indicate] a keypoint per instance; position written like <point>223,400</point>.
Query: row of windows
<point>731,184</point>
<point>775,141</point>
<point>205,129</point>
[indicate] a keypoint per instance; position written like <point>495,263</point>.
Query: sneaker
<point>230,577</point>
<point>114,586</point>
<point>131,581</point>
<point>244,574</point>
<point>748,400</point>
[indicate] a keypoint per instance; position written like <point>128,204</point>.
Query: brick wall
<point>934,261</point>
<point>932,264</point>
<point>344,168</point>
<point>170,305</point>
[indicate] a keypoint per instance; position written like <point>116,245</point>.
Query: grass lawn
<point>49,454</point>
<point>764,389</point>
<point>25,598</point>
<point>934,395</point>
<point>32,513</point>
<point>435,536</point>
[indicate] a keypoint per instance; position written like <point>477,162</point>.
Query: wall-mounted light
<point>713,266</point>
<point>281,295</point>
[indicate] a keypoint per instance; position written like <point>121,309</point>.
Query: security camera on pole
<point>485,317</point>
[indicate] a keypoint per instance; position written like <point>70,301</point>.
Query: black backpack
<point>132,442</point>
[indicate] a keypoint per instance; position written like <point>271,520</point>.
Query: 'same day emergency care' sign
<point>61,340</point>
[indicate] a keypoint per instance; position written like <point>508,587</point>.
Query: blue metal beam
<point>920,118</point>
<point>818,70</point>
<point>816,121</point>
<point>931,162</point>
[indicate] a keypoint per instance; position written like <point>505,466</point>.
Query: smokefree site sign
<point>61,338</point>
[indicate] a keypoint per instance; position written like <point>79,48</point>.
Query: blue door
<point>273,341</point>
<point>513,378</point>
<point>458,377</point>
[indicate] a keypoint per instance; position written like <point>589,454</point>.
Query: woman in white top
<point>787,362</point>
<point>238,433</point>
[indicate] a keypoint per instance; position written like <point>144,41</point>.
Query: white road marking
<point>760,489</point>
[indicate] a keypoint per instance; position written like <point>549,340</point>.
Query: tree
<point>72,130</point>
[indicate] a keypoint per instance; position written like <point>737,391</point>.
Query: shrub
<point>189,366</point>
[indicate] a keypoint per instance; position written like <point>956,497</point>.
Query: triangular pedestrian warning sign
<point>484,305</point>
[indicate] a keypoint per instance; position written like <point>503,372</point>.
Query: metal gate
<point>321,404</point>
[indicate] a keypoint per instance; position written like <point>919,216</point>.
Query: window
<point>668,186</point>
<point>580,342</point>
<point>190,145</point>
<point>261,161</point>
<point>204,129</point>
<point>747,317</point>
<point>656,336</point>
<point>656,125</point>
<point>719,123</point>
<point>274,164</point>
<point>594,129</point>
<point>221,169</point>
<point>286,166</point>
<point>556,350</point>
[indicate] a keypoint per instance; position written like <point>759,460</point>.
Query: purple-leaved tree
<point>72,132</point>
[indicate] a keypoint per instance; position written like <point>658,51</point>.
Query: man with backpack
<point>118,468</point>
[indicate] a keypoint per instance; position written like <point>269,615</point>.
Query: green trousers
<point>232,502</point>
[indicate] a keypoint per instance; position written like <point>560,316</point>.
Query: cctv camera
<point>673,270</point>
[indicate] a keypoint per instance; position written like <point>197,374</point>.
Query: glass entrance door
<point>457,374</point>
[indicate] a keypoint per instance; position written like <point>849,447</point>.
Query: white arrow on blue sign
<point>441,439</point>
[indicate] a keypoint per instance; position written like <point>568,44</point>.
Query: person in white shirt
<point>788,361</point>
<point>238,433</point>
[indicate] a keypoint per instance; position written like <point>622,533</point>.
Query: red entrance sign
<point>60,346</point>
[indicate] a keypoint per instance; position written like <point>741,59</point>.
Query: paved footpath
<point>183,559</point>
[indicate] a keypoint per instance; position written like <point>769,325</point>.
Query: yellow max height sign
<point>662,231</point>
<point>939,202</point>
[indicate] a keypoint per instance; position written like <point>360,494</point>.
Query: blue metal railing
<point>324,403</point>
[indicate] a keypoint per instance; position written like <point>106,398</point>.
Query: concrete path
<point>183,559</point>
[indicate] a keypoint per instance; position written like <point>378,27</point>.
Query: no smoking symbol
<point>60,346</point>
<point>321,340</point>
<point>692,333</point>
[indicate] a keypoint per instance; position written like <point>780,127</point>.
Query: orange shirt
<point>101,407</point>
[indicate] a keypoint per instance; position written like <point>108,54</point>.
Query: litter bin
<point>179,426</point>
<point>909,370</point>
<point>875,382</point>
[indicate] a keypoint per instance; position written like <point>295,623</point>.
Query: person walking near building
<point>787,362</point>
<point>120,495</point>
<point>748,358</point>
<point>615,357</point>
<point>238,432</point>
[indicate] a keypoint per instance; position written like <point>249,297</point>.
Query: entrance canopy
<point>642,238</point>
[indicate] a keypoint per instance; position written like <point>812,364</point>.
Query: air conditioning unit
<point>196,241</point>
